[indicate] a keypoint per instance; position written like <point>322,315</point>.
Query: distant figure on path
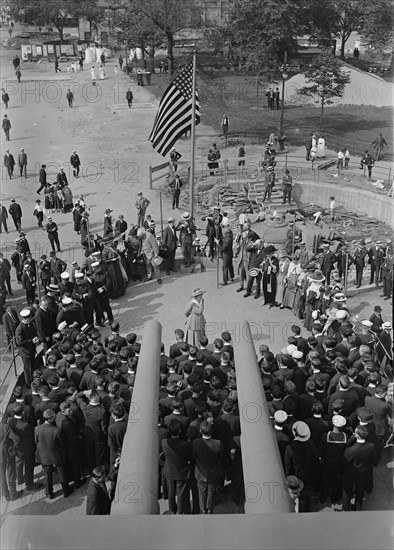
<point>378,145</point>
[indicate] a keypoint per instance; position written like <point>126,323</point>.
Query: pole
<point>346,268</point>
<point>293,238</point>
<point>283,96</point>
<point>193,137</point>
<point>38,282</point>
<point>161,216</point>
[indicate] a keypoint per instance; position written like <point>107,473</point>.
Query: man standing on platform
<point>176,186</point>
<point>141,205</point>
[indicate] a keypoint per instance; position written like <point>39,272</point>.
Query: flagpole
<point>193,137</point>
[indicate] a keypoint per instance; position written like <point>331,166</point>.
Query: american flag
<point>174,115</point>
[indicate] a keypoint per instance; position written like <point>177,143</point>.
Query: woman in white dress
<point>102,72</point>
<point>195,323</point>
<point>93,74</point>
<point>321,147</point>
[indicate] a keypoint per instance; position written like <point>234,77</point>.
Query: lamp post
<point>284,76</point>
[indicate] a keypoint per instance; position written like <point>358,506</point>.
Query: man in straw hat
<point>187,233</point>
<point>301,456</point>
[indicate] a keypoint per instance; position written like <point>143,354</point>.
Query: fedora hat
<point>294,484</point>
<point>158,260</point>
<point>198,292</point>
<point>317,276</point>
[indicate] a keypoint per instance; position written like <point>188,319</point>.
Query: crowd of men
<point>329,396</point>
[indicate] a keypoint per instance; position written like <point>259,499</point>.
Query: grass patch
<point>354,126</point>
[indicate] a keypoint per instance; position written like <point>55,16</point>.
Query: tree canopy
<point>170,17</point>
<point>326,79</point>
<point>261,31</point>
<point>42,12</point>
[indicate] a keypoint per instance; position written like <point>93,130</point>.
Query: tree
<point>92,12</point>
<point>138,31</point>
<point>377,25</point>
<point>56,12</point>
<point>326,79</point>
<point>260,31</point>
<point>170,16</point>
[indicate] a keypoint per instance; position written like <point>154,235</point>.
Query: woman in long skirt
<point>112,262</point>
<point>102,72</point>
<point>270,274</point>
<point>284,263</point>
<point>195,323</point>
<point>291,279</point>
<point>67,199</point>
<point>77,217</point>
<point>108,229</point>
<point>312,296</point>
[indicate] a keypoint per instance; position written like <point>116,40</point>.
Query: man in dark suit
<point>170,240</point>
<point>3,218</point>
<point>209,472</point>
<point>71,431</point>
<point>75,163</point>
<point>327,262</point>
<point>96,428</point>
<point>22,436</point>
<point>175,187</point>
<point>359,260</point>
<point>175,350</point>
<point>349,397</point>
<point>381,411</point>
<point>45,323</point>
<point>98,502</point>
<point>9,163</point>
<point>115,337</point>
<point>10,321</point>
<point>177,406</point>
<point>42,178</point>
<point>15,211</point>
<point>177,469</point>
<point>26,340</point>
<point>359,458</point>
<point>116,432</point>
<point>51,453</point>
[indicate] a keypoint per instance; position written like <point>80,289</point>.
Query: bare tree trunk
<point>170,50</point>
<point>152,56</point>
<point>321,114</point>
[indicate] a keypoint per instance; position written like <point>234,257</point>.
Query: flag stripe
<point>174,115</point>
